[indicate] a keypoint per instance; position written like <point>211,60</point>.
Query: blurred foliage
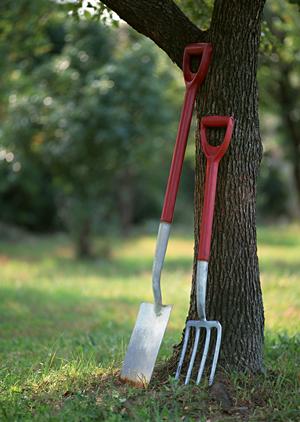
<point>295,2</point>
<point>273,195</point>
<point>23,34</point>
<point>198,11</point>
<point>279,84</point>
<point>27,196</point>
<point>95,113</point>
<point>92,10</point>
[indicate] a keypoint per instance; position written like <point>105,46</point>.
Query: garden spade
<point>213,155</point>
<point>152,319</point>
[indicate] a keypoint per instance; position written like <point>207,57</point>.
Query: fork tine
<point>204,356</point>
<point>190,368</point>
<point>216,354</point>
<point>185,343</point>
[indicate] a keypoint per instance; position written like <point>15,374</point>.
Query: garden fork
<point>213,155</point>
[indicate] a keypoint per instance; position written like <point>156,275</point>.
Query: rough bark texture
<point>234,294</point>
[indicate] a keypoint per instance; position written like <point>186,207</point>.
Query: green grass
<point>65,325</point>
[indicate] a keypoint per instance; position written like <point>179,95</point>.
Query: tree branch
<point>160,20</point>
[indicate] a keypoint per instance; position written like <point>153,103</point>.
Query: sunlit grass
<point>64,324</point>
<point>279,252</point>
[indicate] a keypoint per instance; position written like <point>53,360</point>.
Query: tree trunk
<point>234,294</point>
<point>83,243</point>
<point>126,201</point>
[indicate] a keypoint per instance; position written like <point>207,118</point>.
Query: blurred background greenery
<point>89,112</point>
<point>88,123</point>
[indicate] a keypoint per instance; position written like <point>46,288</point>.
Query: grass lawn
<point>65,325</point>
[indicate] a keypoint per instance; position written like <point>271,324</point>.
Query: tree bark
<point>234,294</point>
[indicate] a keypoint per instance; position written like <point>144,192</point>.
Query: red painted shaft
<point>192,81</point>
<point>213,155</point>
<point>178,155</point>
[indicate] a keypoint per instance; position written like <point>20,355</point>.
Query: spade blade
<point>144,344</point>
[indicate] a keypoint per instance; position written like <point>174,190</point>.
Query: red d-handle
<point>213,155</point>
<point>202,51</point>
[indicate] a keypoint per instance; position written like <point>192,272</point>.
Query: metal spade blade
<point>144,344</point>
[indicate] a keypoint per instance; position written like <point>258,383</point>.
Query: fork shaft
<point>213,155</point>
<point>208,209</point>
<point>201,282</point>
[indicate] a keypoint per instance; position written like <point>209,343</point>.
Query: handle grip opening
<point>216,152</point>
<point>202,52</point>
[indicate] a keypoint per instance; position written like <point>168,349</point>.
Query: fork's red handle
<point>192,82</point>
<point>213,155</point>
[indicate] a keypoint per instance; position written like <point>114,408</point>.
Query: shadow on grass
<point>52,262</point>
<point>128,267</point>
<point>35,321</point>
<point>27,308</point>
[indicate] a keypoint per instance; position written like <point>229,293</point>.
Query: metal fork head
<point>196,326</point>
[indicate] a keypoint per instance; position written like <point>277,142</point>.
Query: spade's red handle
<point>192,82</point>
<point>213,155</point>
